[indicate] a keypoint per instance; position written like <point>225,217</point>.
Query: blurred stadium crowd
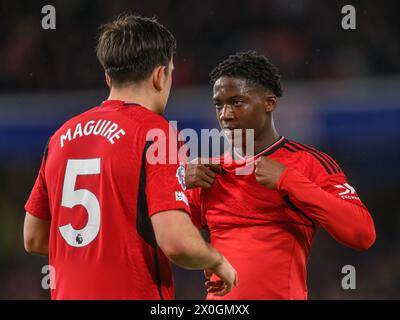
<point>304,38</point>
<point>354,116</point>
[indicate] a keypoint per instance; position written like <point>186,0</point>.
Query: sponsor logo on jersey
<point>348,193</point>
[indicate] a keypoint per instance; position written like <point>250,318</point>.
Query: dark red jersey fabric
<point>267,234</point>
<point>98,189</point>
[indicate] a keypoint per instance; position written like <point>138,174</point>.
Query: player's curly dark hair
<point>253,67</point>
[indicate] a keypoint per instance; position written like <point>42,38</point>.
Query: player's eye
<point>218,105</point>
<point>237,102</point>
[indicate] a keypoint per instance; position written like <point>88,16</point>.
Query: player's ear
<point>159,78</point>
<point>108,79</point>
<point>270,102</point>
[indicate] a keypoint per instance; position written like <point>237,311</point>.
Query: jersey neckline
<point>266,151</point>
<point>229,163</point>
<point>107,103</point>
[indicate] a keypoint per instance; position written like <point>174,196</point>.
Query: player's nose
<point>226,113</point>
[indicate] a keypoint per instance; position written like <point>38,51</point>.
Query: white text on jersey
<point>104,128</point>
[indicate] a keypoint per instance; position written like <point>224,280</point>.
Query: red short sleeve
<point>165,178</point>
<point>38,202</point>
<point>194,197</point>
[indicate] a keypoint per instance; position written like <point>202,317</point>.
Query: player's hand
<point>228,278</point>
<point>200,174</point>
<point>268,171</point>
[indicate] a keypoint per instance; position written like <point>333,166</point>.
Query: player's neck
<point>138,95</point>
<point>266,138</point>
<point>250,147</point>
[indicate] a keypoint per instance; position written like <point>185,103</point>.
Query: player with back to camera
<point>99,209</point>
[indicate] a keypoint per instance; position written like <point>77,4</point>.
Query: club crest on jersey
<point>180,175</point>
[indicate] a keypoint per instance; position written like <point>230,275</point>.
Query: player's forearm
<point>36,235</point>
<point>193,252</point>
<point>181,242</point>
<point>349,224</point>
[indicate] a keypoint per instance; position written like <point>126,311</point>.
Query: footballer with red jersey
<point>264,222</point>
<point>108,218</point>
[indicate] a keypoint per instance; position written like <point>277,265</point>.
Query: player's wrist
<point>218,258</point>
<point>280,182</point>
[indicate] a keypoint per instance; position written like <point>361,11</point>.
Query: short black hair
<point>251,66</point>
<point>131,46</point>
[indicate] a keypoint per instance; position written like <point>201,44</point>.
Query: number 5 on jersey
<point>84,197</point>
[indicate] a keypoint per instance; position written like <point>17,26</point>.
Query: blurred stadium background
<point>341,94</point>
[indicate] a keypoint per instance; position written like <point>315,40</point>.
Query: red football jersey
<point>267,234</point>
<point>99,190</point>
